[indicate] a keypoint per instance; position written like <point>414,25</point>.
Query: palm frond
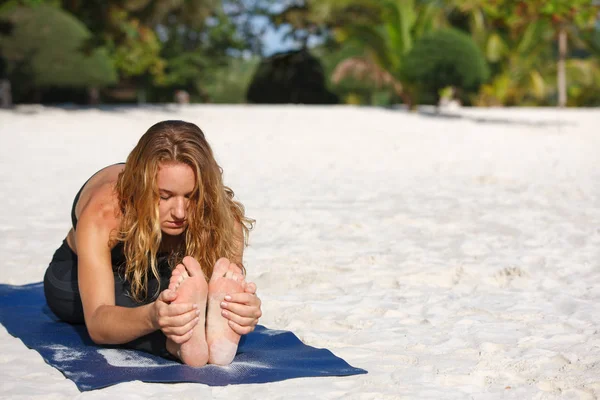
<point>495,48</point>
<point>532,37</point>
<point>539,88</point>
<point>583,72</point>
<point>407,18</point>
<point>375,43</point>
<point>363,69</point>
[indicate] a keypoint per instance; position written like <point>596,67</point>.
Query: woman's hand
<point>176,321</point>
<point>242,310</point>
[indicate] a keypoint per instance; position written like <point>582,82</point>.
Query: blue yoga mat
<point>264,355</point>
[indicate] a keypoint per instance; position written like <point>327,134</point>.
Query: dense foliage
<point>445,58</point>
<point>539,52</point>
<point>44,48</point>
<point>291,77</point>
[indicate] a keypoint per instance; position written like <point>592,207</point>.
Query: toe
<point>220,268</point>
<point>235,268</point>
<point>178,271</point>
<point>229,274</point>
<point>192,267</point>
<point>183,271</point>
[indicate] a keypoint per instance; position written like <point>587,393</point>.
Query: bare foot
<point>189,282</point>
<point>222,340</point>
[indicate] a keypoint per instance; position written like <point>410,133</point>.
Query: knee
<point>62,296</point>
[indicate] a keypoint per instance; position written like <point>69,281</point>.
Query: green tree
<point>162,46</point>
<point>229,84</point>
<point>193,55</point>
<point>567,16</point>
<point>315,18</point>
<point>512,32</point>
<point>45,49</point>
<point>130,31</point>
<point>517,52</point>
<point>385,34</point>
<point>445,58</point>
<point>355,88</point>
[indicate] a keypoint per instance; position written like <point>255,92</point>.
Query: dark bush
<point>445,58</point>
<point>44,48</point>
<point>291,77</point>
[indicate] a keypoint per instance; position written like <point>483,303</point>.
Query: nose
<point>179,208</point>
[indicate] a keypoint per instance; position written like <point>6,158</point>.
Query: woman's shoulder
<point>101,206</point>
<point>99,203</point>
<point>99,190</point>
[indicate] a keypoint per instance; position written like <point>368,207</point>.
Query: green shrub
<point>291,77</point>
<point>44,48</point>
<point>229,84</point>
<point>445,58</point>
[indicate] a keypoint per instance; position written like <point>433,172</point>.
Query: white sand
<point>453,258</point>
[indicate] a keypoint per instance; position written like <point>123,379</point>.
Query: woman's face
<point>175,185</point>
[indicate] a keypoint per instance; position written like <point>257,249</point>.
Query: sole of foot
<point>222,340</point>
<point>189,282</point>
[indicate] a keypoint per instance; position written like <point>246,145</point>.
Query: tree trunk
<point>93,96</point>
<point>408,101</point>
<point>562,74</point>
<point>5,94</point>
<point>141,96</point>
<point>37,95</point>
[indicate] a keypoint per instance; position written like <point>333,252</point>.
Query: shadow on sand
<point>32,109</point>
<point>553,120</point>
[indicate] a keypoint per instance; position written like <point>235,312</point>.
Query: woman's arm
<point>106,322</point>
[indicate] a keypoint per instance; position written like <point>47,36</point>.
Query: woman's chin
<point>172,231</point>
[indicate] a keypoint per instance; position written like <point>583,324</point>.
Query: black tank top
<point>76,199</point>
<point>117,254</point>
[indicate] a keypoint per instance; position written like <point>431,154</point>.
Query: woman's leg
<point>61,288</point>
<point>155,342</point>
<point>62,295</point>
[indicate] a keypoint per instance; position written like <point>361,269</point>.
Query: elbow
<point>95,328</point>
<point>96,336</point>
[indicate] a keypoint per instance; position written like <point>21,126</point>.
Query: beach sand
<point>453,257</point>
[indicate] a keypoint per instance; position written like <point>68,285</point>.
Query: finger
<point>181,339</point>
<point>240,330</point>
<point>173,310</point>
<point>182,329</point>
<point>242,310</point>
<point>243,298</point>
<point>179,320</point>
<point>241,321</point>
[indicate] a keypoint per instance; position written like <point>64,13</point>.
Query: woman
<point>154,258</point>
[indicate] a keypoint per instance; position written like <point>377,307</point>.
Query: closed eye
<point>165,194</point>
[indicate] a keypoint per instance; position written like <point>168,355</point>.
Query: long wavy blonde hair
<point>213,216</point>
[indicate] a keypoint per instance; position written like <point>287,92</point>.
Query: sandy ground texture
<point>453,257</point>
